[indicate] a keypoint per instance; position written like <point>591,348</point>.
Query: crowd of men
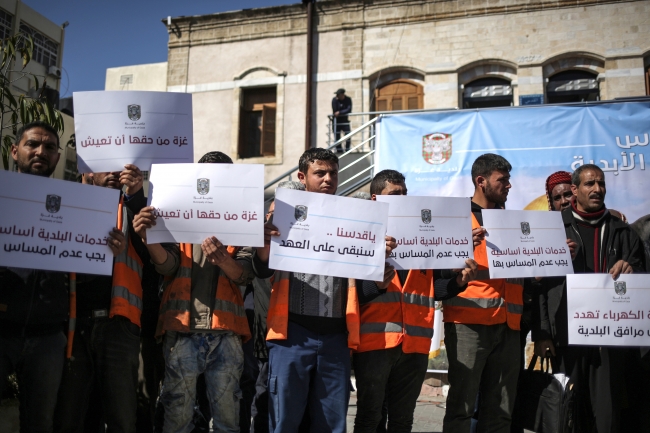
<point>218,336</point>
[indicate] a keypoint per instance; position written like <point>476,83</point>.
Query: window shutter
<point>268,131</point>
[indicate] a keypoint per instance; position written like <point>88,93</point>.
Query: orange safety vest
<point>126,295</point>
<point>227,311</point>
<point>402,315</point>
<point>488,301</point>
<point>278,316</point>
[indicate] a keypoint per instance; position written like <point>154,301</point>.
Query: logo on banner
<point>426,215</point>
<point>203,186</point>
<point>300,213</point>
<point>53,203</point>
<point>525,229</point>
<point>620,288</point>
<point>134,112</point>
<point>436,148</point>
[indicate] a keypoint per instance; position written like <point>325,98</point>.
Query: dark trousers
<point>341,130</point>
<point>392,374</point>
<point>150,375</point>
<point>483,358</point>
<point>38,363</point>
<point>247,384</point>
<point>309,370</point>
<point>100,383</point>
<point>260,407</point>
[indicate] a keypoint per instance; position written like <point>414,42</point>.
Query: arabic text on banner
<point>56,225</point>
<point>197,201</point>
<point>526,244</point>
<point>435,151</point>
<point>329,235</point>
<point>604,312</point>
<point>115,128</point>
<point>431,232</point>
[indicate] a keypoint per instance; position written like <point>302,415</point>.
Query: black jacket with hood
<point>550,300</point>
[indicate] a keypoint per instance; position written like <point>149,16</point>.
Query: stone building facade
<point>249,67</point>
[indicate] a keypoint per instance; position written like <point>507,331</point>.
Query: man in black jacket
<point>34,303</point>
<point>605,244</point>
<point>341,107</point>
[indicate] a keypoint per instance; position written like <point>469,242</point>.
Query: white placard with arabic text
<point>115,128</point>
<point>197,201</point>
<point>604,312</point>
<point>56,225</point>
<point>431,232</point>
<point>329,235</point>
<point>523,243</point>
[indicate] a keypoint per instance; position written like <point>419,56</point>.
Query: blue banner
<point>435,151</point>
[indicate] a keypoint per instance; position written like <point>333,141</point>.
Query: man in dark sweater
<point>341,107</point>
<point>611,378</point>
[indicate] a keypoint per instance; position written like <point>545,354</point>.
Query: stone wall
<point>441,45</point>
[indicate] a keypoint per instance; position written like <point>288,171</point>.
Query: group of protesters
<point>222,341</point>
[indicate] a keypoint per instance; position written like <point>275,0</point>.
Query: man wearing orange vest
<point>313,321</point>
<point>482,324</point>
<point>34,302</point>
<point>396,331</point>
<point>203,322</point>
<point>106,344</point>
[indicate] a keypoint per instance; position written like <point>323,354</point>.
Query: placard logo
<point>53,203</point>
<point>426,216</point>
<point>134,112</point>
<point>525,228</point>
<point>300,213</point>
<point>203,186</point>
<point>436,148</point>
<point>620,288</point>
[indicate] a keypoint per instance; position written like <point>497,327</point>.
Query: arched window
<point>399,95</point>
<point>487,92</point>
<point>572,86</point>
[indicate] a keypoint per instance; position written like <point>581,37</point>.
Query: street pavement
<point>428,416</point>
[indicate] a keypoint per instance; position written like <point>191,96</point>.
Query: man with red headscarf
<point>559,194</point>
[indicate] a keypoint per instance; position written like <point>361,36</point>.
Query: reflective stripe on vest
<point>126,293</point>
<point>278,315</point>
<point>486,301</point>
<point>227,307</point>
<point>403,315</point>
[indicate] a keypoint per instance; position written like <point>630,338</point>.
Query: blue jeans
<point>38,363</point>
<point>309,368</point>
<point>99,385</point>
<point>220,358</point>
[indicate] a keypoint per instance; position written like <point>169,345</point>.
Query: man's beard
<point>26,167</point>
<point>492,195</point>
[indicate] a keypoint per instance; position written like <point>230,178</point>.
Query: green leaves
<point>18,110</point>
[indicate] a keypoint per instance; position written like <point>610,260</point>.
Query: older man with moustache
<point>610,376</point>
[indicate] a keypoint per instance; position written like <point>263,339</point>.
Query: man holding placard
<point>106,345</point>
<point>396,331</point>
<point>612,375</point>
<point>482,324</point>
<point>203,321</point>
<point>34,303</point>
<point>313,321</point>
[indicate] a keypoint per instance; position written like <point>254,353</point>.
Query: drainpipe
<point>310,72</point>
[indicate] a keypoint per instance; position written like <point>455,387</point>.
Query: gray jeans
<point>483,358</point>
<point>221,358</point>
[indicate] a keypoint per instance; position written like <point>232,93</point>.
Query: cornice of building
<point>338,15</point>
